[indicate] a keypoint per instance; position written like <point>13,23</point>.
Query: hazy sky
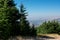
<point>41,8</point>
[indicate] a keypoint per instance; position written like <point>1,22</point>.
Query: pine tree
<point>4,25</point>
<point>8,19</point>
<point>13,17</point>
<point>25,28</point>
<point>33,30</point>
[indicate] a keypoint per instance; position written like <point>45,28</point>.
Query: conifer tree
<point>8,19</point>
<point>33,30</point>
<point>13,17</point>
<point>25,27</point>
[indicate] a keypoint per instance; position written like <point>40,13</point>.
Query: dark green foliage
<point>33,31</point>
<point>8,19</point>
<point>49,27</point>
<point>23,22</point>
<point>9,24</point>
<point>13,17</point>
<point>4,29</point>
<point>26,30</point>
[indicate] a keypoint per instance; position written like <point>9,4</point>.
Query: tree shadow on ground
<point>48,37</point>
<point>33,38</point>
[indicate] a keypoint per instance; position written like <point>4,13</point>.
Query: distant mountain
<point>38,22</point>
<point>58,19</point>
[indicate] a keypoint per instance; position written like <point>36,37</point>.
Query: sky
<point>40,8</point>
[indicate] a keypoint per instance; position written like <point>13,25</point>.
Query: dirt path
<point>58,38</point>
<point>55,36</point>
<point>43,37</point>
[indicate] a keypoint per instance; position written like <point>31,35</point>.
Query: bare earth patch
<point>55,36</point>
